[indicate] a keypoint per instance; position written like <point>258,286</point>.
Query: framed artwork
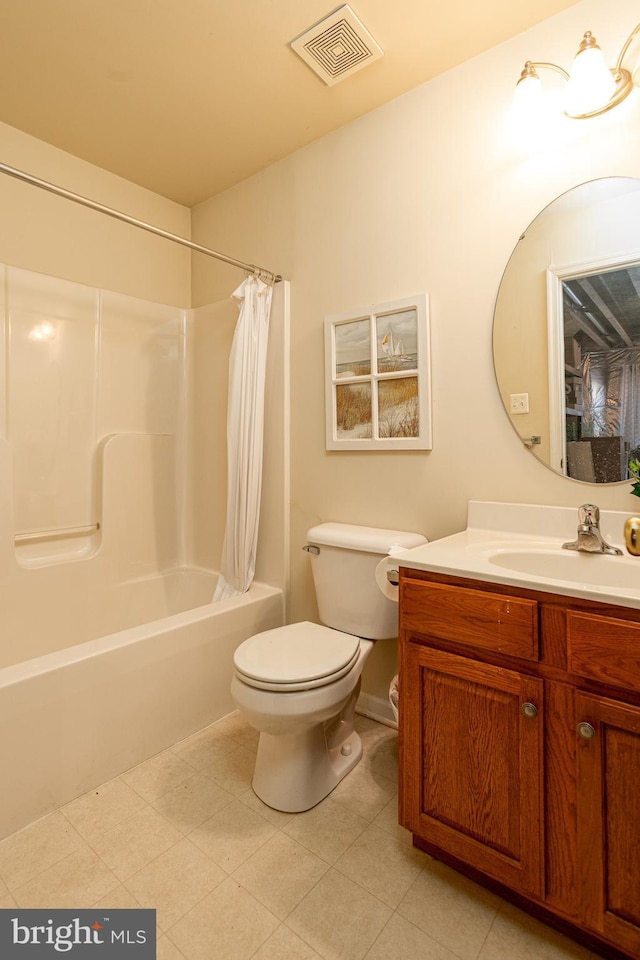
<point>378,390</point>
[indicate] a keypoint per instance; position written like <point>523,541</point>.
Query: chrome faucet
<point>589,539</point>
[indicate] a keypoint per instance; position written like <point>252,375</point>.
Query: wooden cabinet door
<point>609,818</point>
<point>472,780</point>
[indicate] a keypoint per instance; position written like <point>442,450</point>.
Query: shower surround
<point>110,647</point>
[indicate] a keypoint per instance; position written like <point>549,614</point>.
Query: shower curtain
<point>611,394</point>
<point>245,422</point>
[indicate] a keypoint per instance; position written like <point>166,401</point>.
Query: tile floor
<point>232,879</point>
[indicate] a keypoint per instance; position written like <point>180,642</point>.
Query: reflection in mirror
<point>566,336</point>
<point>601,335</point>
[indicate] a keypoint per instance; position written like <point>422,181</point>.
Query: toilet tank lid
<point>349,536</point>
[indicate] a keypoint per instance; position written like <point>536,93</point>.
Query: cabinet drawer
<point>490,621</point>
<point>604,649</point>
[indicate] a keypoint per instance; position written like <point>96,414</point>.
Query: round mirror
<point>566,332</point>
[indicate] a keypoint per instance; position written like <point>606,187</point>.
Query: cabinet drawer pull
<point>529,710</point>
<point>586,731</point>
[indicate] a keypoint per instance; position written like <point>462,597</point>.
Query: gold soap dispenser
<point>632,535</point>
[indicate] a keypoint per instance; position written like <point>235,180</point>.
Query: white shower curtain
<point>245,423</point>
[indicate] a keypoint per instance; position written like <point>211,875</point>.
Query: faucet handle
<point>590,514</point>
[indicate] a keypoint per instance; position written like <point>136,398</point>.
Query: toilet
<point>298,684</point>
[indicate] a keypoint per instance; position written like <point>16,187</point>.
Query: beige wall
<point>426,193</point>
<point>50,235</point>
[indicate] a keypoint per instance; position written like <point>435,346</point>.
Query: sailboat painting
<point>378,392</point>
<point>397,340</point>
<point>391,349</point>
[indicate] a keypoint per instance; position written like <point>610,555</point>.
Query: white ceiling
<point>188,97</point>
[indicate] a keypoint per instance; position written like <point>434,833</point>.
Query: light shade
<point>591,84</point>
<point>528,92</point>
<point>591,88</point>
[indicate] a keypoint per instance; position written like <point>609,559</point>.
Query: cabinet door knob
<point>530,710</point>
<point>586,731</point>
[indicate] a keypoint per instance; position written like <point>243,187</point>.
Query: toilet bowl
<point>298,685</point>
<point>306,722</point>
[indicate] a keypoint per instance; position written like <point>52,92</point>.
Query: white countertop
<point>521,545</point>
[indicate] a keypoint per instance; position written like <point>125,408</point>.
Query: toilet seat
<point>299,656</point>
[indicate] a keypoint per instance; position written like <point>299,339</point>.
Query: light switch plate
<point>518,403</point>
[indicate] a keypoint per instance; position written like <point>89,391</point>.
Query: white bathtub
<point>73,719</point>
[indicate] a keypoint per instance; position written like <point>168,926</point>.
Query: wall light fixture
<point>591,87</point>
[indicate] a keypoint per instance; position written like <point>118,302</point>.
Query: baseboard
<point>377,708</point>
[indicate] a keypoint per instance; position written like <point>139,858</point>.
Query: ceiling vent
<point>337,46</point>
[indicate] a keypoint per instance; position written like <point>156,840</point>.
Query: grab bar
<point>63,532</point>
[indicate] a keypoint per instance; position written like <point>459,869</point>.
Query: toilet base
<point>295,772</point>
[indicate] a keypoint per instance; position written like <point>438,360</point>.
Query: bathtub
<point>74,718</point>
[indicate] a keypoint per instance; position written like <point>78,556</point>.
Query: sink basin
<point>521,545</point>
<point>594,569</point>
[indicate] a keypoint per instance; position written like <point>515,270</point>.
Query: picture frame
<point>377,377</point>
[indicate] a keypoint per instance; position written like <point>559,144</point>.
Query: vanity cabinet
<point>480,786</point>
<point>520,748</point>
<point>608,810</point>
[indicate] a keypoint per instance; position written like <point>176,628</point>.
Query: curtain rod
<point>258,272</point>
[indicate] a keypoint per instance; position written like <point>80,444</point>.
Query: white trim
<point>282,294</point>
<point>557,398</point>
<point>376,708</point>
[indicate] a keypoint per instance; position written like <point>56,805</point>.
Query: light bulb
<point>591,84</point>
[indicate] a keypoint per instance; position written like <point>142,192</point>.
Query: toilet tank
<point>344,558</point>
